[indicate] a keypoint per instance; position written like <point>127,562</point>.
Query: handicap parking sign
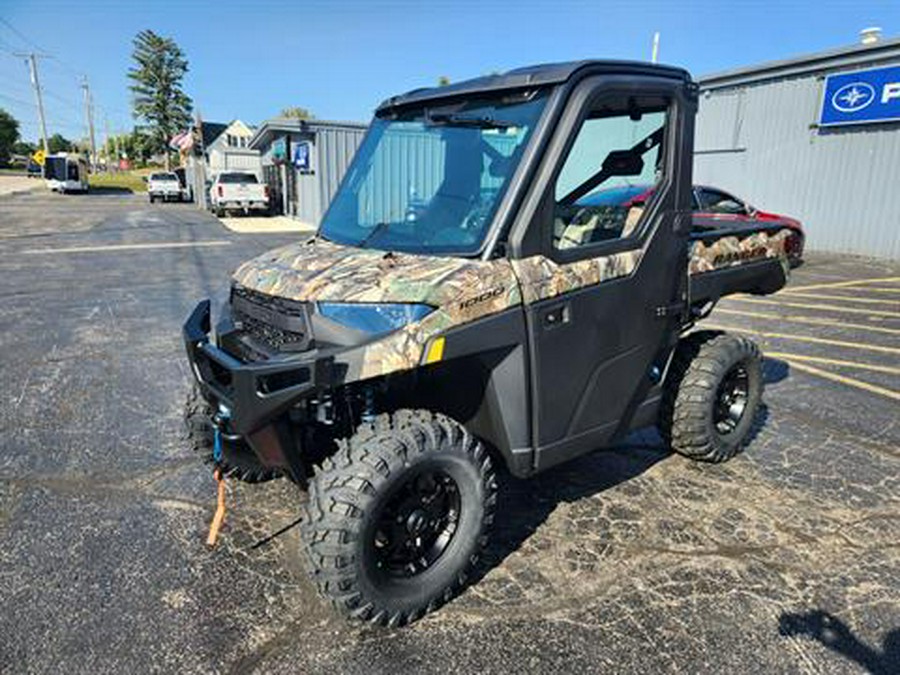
<point>861,97</point>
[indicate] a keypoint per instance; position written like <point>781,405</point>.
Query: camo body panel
<point>736,250</point>
<point>461,290</point>
<point>542,278</point>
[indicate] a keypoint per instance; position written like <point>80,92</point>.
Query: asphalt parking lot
<point>630,560</point>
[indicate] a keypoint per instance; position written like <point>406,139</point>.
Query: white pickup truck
<point>165,187</point>
<point>238,191</point>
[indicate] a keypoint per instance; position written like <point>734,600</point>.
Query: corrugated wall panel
<point>757,141</point>
<point>333,148</point>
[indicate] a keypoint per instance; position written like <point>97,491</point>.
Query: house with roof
<point>226,147</point>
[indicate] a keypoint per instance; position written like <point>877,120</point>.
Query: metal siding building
<point>305,193</point>
<point>758,137</point>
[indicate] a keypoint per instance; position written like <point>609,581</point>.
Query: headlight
<point>373,317</point>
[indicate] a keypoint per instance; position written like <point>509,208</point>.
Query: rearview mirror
<point>623,163</point>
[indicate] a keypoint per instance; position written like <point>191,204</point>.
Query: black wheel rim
<point>731,400</point>
<point>417,524</point>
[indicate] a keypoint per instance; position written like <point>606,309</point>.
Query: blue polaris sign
<point>303,156</point>
<point>861,97</point>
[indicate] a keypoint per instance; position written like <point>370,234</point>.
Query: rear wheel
<point>712,396</point>
<point>397,518</point>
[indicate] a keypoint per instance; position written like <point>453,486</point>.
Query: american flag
<point>182,141</point>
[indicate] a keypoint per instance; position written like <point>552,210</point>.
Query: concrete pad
<point>10,185</point>
<point>261,225</point>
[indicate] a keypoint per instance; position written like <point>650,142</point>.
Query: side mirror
<point>623,163</point>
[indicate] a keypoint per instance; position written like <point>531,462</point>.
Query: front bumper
<point>252,394</point>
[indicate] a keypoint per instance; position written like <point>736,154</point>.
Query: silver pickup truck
<point>238,191</point>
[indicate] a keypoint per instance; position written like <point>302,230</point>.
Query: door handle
<point>556,316</point>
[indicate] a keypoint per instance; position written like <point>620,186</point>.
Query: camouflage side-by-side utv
<point>462,305</point>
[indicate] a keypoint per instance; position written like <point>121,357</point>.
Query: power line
<point>53,60</point>
<point>62,100</point>
<point>17,100</point>
<point>21,35</point>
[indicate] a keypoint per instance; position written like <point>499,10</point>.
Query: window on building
<point>610,173</point>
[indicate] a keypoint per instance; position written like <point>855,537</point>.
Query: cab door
<point>604,293</point>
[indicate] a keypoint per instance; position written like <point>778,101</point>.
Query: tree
<point>158,97</point>
<point>9,134</point>
<point>26,148</point>
<point>297,112</point>
<point>443,81</point>
<point>59,143</point>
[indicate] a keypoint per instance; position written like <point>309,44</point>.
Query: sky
<point>339,59</point>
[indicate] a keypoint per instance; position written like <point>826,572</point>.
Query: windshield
<point>163,176</point>
<point>430,181</point>
<point>237,178</point>
<point>55,168</point>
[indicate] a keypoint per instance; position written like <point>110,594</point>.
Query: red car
<point>713,209</point>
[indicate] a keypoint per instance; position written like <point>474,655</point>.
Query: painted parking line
<point>841,363</point>
<point>805,338</point>
<point>125,247</point>
<point>857,289</point>
<point>849,381</point>
<point>843,284</point>
<point>826,308</point>
<point>846,298</point>
<point>811,320</point>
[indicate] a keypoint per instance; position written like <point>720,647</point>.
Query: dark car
<point>713,209</point>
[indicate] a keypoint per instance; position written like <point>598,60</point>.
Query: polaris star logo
<point>853,97</point>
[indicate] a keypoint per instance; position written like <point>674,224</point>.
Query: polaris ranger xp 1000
<point>463,304</point>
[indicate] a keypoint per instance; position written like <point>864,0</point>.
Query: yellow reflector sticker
<point>435,351</point>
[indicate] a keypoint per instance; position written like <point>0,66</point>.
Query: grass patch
<point>123,180</point>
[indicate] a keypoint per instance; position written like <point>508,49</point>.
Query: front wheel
<point>712,395</point>
<point>397,518</point>
<point>237,459</point>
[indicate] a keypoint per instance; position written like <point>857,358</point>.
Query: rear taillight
<point>221,191</point>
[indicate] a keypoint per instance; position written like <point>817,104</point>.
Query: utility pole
<point>655,55</point>
<point>116,143</point>
<point>89,120</point>
<point>32,62</point>
<point>106,146</point>
<point>197,151</point>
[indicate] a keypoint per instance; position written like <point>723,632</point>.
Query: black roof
<point>533,76</point>
<point>211,131</point>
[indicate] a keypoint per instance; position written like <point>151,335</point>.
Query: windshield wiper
<point>378,229</point>
<point>453,120</point>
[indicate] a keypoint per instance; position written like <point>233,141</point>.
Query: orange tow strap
<point>216,524</point>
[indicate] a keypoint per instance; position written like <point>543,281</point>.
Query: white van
<point>66,172</point>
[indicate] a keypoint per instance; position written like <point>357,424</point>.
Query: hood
<point>767,216</point>
<point>319,270</point>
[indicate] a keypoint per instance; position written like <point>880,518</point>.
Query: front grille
<point>275,323</point>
